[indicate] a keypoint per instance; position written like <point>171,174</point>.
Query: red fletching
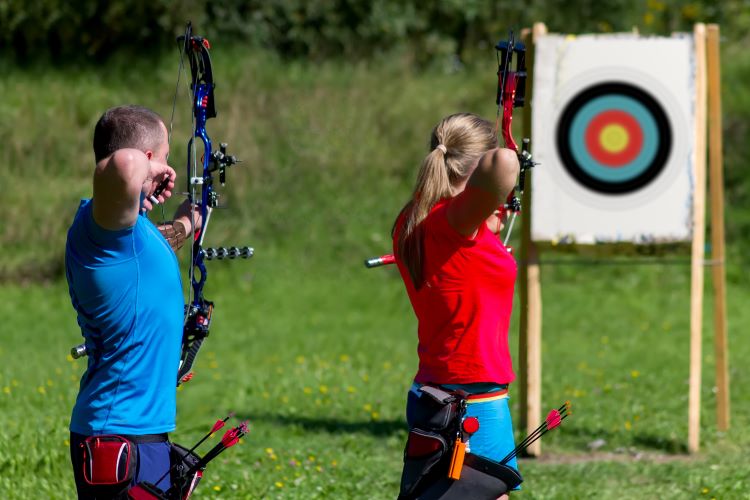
<point>553,419</point>
<point>232,436</point>
<point>187,377</point>
<point>218,425</point>
<point>470,425</point>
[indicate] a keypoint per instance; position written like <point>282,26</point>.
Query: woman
<point>460,277</point>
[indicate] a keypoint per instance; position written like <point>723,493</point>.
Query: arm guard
<point>174,232</point>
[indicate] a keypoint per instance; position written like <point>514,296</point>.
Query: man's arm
<point>119,182</point>
<point>177,230</point>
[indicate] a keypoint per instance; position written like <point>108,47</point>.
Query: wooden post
<point>529,285</point>
<point>699,227</point>
<point>716,166</point>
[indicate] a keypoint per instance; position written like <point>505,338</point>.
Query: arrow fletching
<point>220,423</point>
<point>232,436</point>
<point>553,419</point>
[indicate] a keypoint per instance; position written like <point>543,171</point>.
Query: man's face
<point>161,152</point>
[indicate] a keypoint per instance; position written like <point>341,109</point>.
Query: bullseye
<point>614,138</point>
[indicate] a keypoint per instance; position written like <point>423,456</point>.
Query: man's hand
<point>157,173</point>
<point>189,215</point>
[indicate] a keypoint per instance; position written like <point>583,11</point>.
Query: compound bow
<point>198,310</point>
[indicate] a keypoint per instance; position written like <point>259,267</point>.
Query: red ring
<point>614,117</point>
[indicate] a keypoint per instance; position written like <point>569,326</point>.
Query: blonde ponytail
<point>456,143</point>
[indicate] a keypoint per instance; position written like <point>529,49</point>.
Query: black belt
<point>136,439</point>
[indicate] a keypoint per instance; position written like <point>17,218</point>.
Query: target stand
<point>619,131</point>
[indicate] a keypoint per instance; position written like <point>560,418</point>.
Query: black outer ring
<point>656,166</point>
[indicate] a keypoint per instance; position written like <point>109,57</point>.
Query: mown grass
<point>315,350</point>
<point>319,362</point>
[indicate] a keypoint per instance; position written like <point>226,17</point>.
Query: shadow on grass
<point>378,428</point>
<point>583,438</point>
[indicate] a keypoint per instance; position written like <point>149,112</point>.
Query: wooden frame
<point>707,87</point>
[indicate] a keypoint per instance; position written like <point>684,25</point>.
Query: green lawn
<point>319,359</point>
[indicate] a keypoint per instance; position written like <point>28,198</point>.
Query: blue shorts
<point>494,439</point>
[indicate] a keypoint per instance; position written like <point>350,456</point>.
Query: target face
<point>614,138</point>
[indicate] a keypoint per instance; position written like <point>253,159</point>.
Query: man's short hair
<point>127,127</point>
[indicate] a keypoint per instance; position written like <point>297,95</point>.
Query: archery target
<point>614,138</point>
<point>613,131</point>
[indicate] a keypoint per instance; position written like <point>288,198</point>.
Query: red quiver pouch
<point>108,460</point>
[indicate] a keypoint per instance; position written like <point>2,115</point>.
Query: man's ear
<point>149,154</point>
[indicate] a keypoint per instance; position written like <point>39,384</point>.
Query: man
<point>125,285</point>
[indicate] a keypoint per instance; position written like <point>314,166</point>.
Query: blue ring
<point>577,138</point>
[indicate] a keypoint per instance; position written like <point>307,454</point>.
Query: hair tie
<point>442,148</point>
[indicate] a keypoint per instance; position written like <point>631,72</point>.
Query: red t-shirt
<point>464,304</point>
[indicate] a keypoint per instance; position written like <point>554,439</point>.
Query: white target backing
<point>613,133</point>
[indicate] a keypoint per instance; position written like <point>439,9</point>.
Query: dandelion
<point>265,394</point>
<point>628,425</point>
<point>334,463</point>
<point>41,390</point>
<point>375,415</point>
<point>213,364</point>
<point>311,458</point>
<point>217,488</point>
<point>351,389</point>
<point>344,358</point>
<point>69,358</point>
<point>279,484</point>
<point>367,407</point>
<point>269,451</point>
<point>635,373</point>
<point>66,442</point>
<point>319,468</point>
<point>387,366</point>
<point>50,383</point>
<point>705,490</point>
<point>284,399</point>
<point>6,389</point>
<point>307,390</point>
<point>323,389</point>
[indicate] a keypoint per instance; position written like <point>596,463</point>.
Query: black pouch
<point>109,460</point>
<point>435,409</point>
<point>423,461</point>
<point>434,416</point>
<point>481,479</point>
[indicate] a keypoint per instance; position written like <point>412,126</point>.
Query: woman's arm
<point>120,180</point>
<point>486,190</point>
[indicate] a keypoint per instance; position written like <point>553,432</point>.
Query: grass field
<point>315,350</point>
<point>319,363</point>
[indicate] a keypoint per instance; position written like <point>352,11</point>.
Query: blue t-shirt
<point>126,287</point>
